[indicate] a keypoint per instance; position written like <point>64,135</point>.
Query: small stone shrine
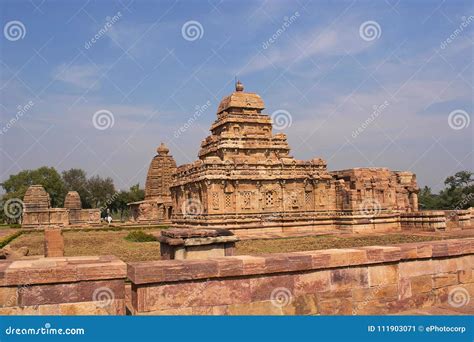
<point>196,243</point>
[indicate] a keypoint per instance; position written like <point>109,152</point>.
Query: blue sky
<point>320,67</point>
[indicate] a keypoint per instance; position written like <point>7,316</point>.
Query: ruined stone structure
<point>37,209</point>
<point>392,190</point>
<point>38,212</point>
<point>157,206</point>
<point>77,215</point>
<point>245,178</point>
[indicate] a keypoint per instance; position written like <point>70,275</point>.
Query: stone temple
<point>157,206</point>
<point>37,210</point>
<point>246,179</point>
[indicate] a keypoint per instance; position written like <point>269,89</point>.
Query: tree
<point>101,190</point>
<point>136,194</point>
<point>120,203</point>
<point>458,193</point>
<point>76,180</point>
<point>460,179</point>
<point>428,200</point>
<point>16,185</point>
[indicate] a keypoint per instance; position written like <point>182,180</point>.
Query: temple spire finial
<point>239,86</point>
<point>162,149</point>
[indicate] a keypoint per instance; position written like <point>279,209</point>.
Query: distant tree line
<point>95,191</point>
<point>457,194</point>
<point>98,192</point>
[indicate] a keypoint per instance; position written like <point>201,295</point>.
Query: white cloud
<point>321,42</point>
<point>81,76</point>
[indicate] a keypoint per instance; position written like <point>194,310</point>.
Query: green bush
<point>140,236</point>
<point>9,239</point>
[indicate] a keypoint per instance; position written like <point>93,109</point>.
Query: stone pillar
<point>53,242</point>
<point>414,201</point>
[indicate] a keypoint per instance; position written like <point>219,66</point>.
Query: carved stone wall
<point>37,211</point>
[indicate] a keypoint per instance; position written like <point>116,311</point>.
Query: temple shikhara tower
<point>156,207</point>
<point>246,178</point>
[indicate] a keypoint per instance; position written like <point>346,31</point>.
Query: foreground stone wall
<point>370,280</point>
<point>63,286</point>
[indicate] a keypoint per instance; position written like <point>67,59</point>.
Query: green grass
<point>5,241</point>
<point>140,236</point>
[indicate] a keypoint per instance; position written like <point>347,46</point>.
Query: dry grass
<point>310,243</point>
<point>113,243</point>
<point>94,243</point>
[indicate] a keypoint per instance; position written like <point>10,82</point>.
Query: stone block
<point>84,291</point>
<point>445,279</point>
<point>382,275</point>
<point>269,287</point>
<point>346,257</point>
<point>404,288</point>
<point>230,267</point>
<point>377,254</point>
<point>409,269</point>
<point>347,278</point>
<point>251,264</point>
<point>367,294</point>
<point>53,242</point>
<point>421,284</point>
<point>336,306</point>
<point>465,276</point>
<point>371,307</point>
<point>301,305</point>
<point>193,293</point>
<point>319,259</point>
<point>8,296</point>
<point>312,282</point>
<point>255,308</point>
<point>445,265</point>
